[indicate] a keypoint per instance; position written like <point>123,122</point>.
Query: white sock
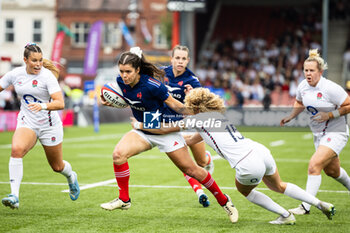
<point>344,178</point>
<point>298,193</point>
<point>199,192</point>
<point>16,174</point>
<point>312,186</point>
<point>67,172</point>
<point>266,202</point>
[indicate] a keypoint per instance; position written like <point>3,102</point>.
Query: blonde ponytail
<point>315,56</point>
<point>48,64</point>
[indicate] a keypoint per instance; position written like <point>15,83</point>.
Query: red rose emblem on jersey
<point>319,95</point>
<point>35,83</point>
<point>180,83</point>
<point>329,139</point>
<point>139,95</point>
<point>53,139</point>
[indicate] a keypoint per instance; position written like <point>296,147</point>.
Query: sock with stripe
<point>194,183</point>
<point>122,175</point>
<point>211,185</point>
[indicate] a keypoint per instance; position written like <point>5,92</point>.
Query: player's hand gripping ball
<point>112,93</point>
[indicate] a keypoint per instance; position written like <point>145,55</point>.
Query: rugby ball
<point>112,93</point>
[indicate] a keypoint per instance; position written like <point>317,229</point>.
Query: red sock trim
<point>211,185</point>
<point>122,175</point>
<point>193,182</point>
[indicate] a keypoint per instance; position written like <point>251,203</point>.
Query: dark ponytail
<point>145,66</point>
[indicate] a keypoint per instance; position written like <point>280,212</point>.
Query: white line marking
<point>78,139</point>
<point>88,186</point>
<point>107,183</point>
<point>307,136</point>
<point>277,143</point>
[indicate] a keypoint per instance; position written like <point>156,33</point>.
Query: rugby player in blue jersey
<point>178,78</point>
<point>139,81</point>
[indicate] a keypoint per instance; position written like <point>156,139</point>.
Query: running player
<point>179,78</point>
<point>327,104</point>
<point>40,96</point>
<point>253,161</point>
<point>145,94</point>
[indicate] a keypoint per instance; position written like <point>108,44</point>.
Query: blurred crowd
<point>254,71</point>
<point>250,70</point>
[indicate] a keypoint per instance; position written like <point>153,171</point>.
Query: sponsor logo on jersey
<point>151,120</point>
<point>166,80</point>
<point>132,102</point>
<point>35,83</point>
<point>319,95</point>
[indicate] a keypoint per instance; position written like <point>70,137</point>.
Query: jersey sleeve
<point>52,84</point>
<point>6,80</point>
<point>195,82</point>
<point>336,94</point>
<point>158,89</point>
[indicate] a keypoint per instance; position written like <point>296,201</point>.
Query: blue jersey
<point>176,85</point>
<point>148,95</point>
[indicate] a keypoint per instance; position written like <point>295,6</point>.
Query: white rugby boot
<point>231,210</point>
<point>300,210</point>
<point>116,204</point>
<point>290,220</point>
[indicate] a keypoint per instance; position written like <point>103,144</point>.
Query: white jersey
<point>33,88</point>
<point>222,136</point>
<point>326,96</point>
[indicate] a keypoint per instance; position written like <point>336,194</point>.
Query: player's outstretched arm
<point>177,106</point>
<point>298,107</point>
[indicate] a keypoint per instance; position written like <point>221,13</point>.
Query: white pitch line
<point>79,139</point>
<point>107,183</point>
<point>307,136</point>
<point>88,186</point>
<point>277,143</point>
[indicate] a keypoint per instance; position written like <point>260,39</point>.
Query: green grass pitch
<point>162,200</point>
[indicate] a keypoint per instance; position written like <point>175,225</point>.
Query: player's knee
<point>18,151</point>
<point>118,156</point>
<point>314,169</point>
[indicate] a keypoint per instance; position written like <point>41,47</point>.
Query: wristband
<point>137,125</point>
<point>43,106</point>
<point>336,113</point>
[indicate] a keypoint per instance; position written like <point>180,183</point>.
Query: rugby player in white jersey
<point>327,104</point>
<point>253,161</point>
<point>40,96</point>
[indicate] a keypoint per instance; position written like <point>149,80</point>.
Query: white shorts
<point>334,140</point>
<point>48,136</point>
<point>166,142</point>
<point>255,166</point>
